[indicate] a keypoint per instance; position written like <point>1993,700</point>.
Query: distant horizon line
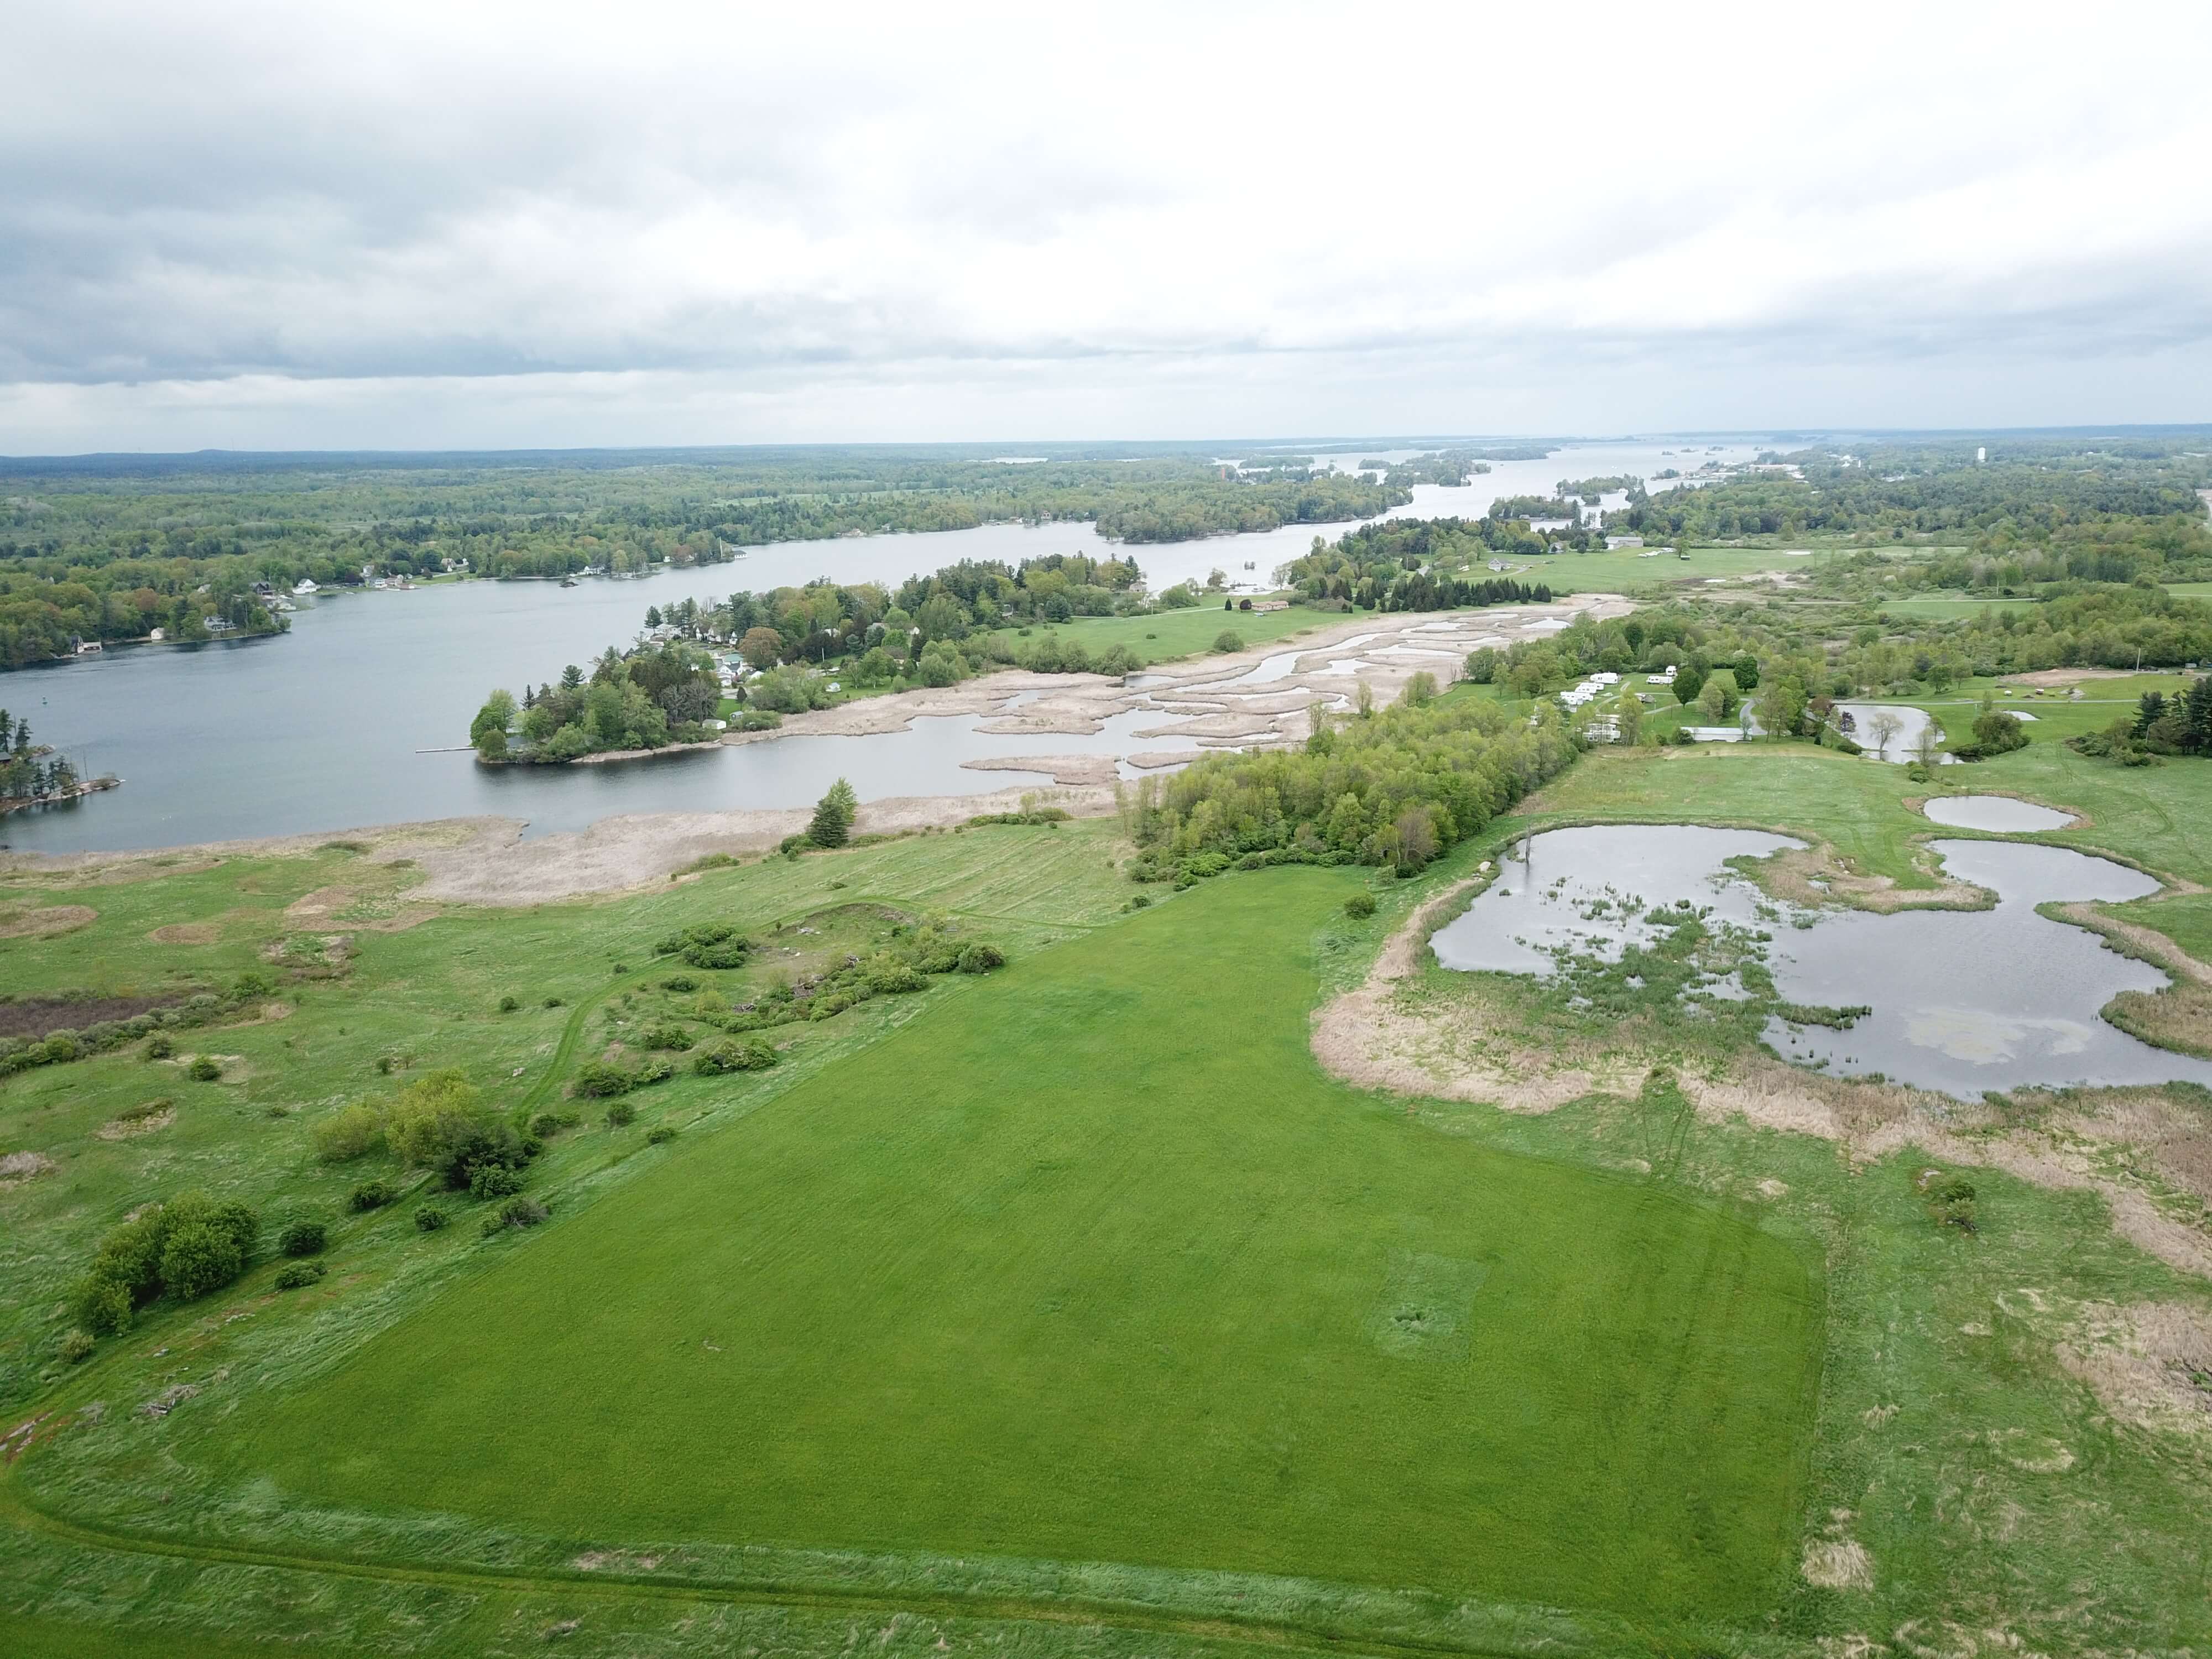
<point>1055,448</point>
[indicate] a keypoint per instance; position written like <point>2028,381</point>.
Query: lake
<point>323,729</point>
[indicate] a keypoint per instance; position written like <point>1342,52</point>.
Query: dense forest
<point>1401,564</point>
<point>110,551</point>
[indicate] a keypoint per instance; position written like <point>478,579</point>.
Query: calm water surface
<point>1964,1001</point>
<point>323,729</point>
<point>1998,815</point>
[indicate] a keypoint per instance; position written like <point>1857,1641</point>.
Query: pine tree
<point>833,816</point>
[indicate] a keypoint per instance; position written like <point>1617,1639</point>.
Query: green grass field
<point>1069,1309</point>
<point>1009,1283</point>
<point>1626,570</point>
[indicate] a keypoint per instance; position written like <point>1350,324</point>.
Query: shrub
<point>301,1238</point>
<point>659,1135</point>
<point>77,1346</point>
<point>597,1080</point>
<point>351,1132</point>
<point>745,1054</point>
<point>886,976</point>
<point>198,1256</point>
<point>980,958</point>
<point>508,1004</point>
<point>298,1275</point>
<point>545,1126</point>
<point>440,1122</point>
<point>430,1218</point>
<point>1953,1200</point>
<point>204,1068</point>
<point>553,1002</point>
<point>1228,639</point>
<point>666,1034</point>
<point>370,1195</point>
<point>160,1046</point>
<point>621,1114</point>
<point>1359,906</point>
<point>493,1181</point>
<point>680,982</point>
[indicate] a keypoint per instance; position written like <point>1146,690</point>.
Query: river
<point>324,729</point>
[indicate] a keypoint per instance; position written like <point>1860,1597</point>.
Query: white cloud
<point>356,225</point>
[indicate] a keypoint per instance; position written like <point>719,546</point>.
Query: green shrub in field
<point>160,1046</point>
<point>204,1068</point>
<point>77,1346</point>
<point>709,944</point>
<point>980,958</point>
<point>598,1080</point>
<point>371,1195</point>
<point>887,975</point>
<point>1359,906</point>
<point>298,1275</point>
<point>621,1114</point>
<point>659,1135</point>
<point>493,1181</point>
<point>507,1005</point>
<point>441,1122</point>
<point>666,1034</point>
<point>183,1249</point>
<point>430,1218</point>
<point>1951,1201</point>
<point>351,1132</point>
<point>739,1055</point>
<point>680,982</point>
<point>301,1237</point>
<point>545,1126</point>
<point>1228,639</point>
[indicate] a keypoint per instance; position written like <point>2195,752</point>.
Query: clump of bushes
<point>204,1068</point>
<point>440,1122</point>
<point>490,1181</point>
<point>1359,906</point>
<point>1228,639</point>
<point>744,1054</point>
<point>659,1135</point>
<point>666,1034</point>
<point>160,1046</point>
<point>77,1346</point>
<point>370,1195</point>
<point>183,1249</point>
<point>298,1275</point>
<point>1951,1200</point>
<point>709,944</point>
<point>599,1080</point>
<point>507,1005</point>
<point>980,958</point>
<point>430,1218</point>
<point>621,1114</point>
<point>1031,815</point>
<point>302,1237</point>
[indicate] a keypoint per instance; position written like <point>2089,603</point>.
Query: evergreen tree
<point>833,816</point>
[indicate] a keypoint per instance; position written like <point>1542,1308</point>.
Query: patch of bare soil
<point>1817,875</point>
<point>619,853</point>
<point>319,905</point>
<point>2150,1365</point>
<point>604,756</point>
<point>187,933</point>
<point>1151,759</point>
<point>17,1168</point>
<point>45,921</point>
<point>311,955</point>
<point>145,1119</point>
<point>1365,1037</point>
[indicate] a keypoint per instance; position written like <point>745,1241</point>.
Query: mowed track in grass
<point>1092,1262</point>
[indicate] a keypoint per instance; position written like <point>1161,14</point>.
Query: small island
<point>31,774</point>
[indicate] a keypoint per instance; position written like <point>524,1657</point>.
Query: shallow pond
<point>1871,730</point>
<point>1963,1001</point>
<point>1996,814</point>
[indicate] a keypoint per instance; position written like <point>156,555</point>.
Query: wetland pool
<point>1962,1001</point>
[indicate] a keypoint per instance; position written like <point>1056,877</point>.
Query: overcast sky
<point>404,225</point>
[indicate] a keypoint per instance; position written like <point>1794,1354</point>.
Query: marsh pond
<point>1960,1001</point>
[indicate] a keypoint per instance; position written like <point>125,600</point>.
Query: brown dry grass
<point>149,1118</point>
<point>187,933</point>
<point>1793,876</point>
<point>2150,1365</point>
<point>45,921</point>
<point>17,1168</point>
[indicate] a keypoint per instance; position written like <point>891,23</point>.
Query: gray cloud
<point>231,217</point>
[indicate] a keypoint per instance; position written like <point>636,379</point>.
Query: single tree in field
<point>1628,717</point>
<point>833,816</point>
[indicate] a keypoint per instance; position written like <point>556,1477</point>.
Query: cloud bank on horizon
<point>401,225</point>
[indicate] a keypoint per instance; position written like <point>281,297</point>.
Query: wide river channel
<point>326,728</point>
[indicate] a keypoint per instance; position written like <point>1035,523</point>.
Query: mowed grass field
<point>1173,634</point>
<point>1090,1261</point>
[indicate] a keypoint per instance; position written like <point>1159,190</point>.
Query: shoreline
<point>1211,700</point>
